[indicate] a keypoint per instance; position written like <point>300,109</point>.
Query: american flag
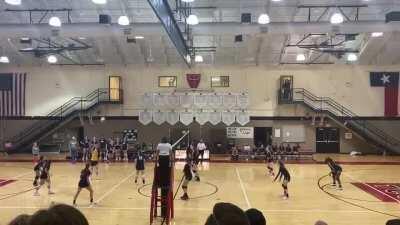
<point>12,94</point>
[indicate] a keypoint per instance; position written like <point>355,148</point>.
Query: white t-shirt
<point>201,146</point>
<point>164,148</point>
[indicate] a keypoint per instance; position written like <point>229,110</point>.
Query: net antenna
<point>184,134</point>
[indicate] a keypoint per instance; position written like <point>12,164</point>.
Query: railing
<point>342,114</point>
<point>68,109</point>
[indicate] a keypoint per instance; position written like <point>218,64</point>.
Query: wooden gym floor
<point>245,184</point>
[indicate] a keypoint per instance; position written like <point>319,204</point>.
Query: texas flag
<point>389,80</point>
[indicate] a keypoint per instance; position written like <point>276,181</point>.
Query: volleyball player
<point>37,169</point>
<point>84,182</point>
<point>94,160</point>
<point>187,172</point>
<point>283,173</point>
<point>44,177</point>
<point>85,147</point>
<point>336,171</point>
<point>270,161</point>
<point>195,164</point>
<point>140,166</point>
<point>118,150</point>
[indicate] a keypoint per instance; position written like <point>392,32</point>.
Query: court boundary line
<point>243,188</point>
<point>113,188</point>
<point>377,190</point>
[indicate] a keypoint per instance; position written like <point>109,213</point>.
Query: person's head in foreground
<point>20,220</point>
<point>59,214</point>
<point>320,222</point>
<point>393,222</point>
<point>255,217</point>
<point>227,214</point>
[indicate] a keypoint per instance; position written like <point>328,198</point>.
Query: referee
<point>164,157</point>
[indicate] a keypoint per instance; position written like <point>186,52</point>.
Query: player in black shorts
<point>84,182</point>
<point>36,169</point>
<point>270,162</point>
<point>44,177</point>
<point>140,166</point>
<point>336,171</point>
<point>283,173</point>
<point>187,171</point>
<point>195,163</point>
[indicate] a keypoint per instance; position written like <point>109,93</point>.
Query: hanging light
<point>52,59</point>
<point>300,57</point>
<point>99,2</point>
<point>192,20</point>
<point>13,2</point>
<point>264,19</point>
<point>187,0</point>
<point>123,21</point>
<point>4,59</point>
<point>352,57</point>
<point>198,58</point>
<point>377,34</point>
<point>54,21</point>
<point>337,18</point>
<point>188,58</point>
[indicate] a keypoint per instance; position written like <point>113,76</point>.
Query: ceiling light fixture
<point>123,21</point>
<point>377,34</point>
<point>300,57</point>
<point>187,0</point>
<point>54,21</point>
<point>139,37</point>
<point>264,19</point>
<point>52,59</point>
<point>99,2</point>
<point>13,2</point>
<point>198,58</point>
<point>352,57</point>
<point>4,59</point>
<point>337,18</point>
<point>192,20</point>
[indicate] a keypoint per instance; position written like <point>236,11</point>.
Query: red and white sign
<point>193,80</point>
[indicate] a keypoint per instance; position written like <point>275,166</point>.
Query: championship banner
<point>215,101</point>
<point>148,101</point>
<point>186,100</point>
<point>159,117</point>
<point>229,101</point>
<point>159,100</point>
<point>202,118</point>
<point>242,118</point>
<point>193,80</point>
<point>145,117</point>
<point>240,132</point>
<point>173,101</point>
<point>200,101</point>
<point>172,118</point>
<point>214,117</point>
<point>186,118</point>
<point>228,118</point>
<point>243,101</point>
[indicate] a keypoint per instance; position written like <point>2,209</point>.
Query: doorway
<point>262,135</point>
<point>115,85</point>
<point>327,140</point>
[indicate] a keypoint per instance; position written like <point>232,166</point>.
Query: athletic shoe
<point>340,188</point>
<point>135,181</point>
<point>284,198</point>
<point>333,185</point>
<point>144,181</point>
<point>36,193</point>
<point>185,197</point>
<point>198,179</point>
<point>51,193</point>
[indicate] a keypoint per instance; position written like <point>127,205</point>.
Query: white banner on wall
<point>200,101</point>
<point>145,117</point>
<point>172,118</point>
<point>243,118</point>
<point>229,101</point>
<point>228,118</point>
<point>215,101</point>
<point>240,132</point>
<point>214,117</point>
<point>186,118</point>
<point>202,117</point>
<point>159,117</point>
<point>173,101</point>
<point>148,101</point>
<point>186,100</point>
<point>243,101</point>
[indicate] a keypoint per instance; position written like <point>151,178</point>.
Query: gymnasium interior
<point>263,84</point>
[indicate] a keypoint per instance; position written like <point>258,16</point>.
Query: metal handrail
<point>67,109</point>
<point>344,111</point>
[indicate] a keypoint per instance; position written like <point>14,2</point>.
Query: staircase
<point>345,117</point>
<point>64,114</point>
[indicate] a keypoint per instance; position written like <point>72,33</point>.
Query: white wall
<point>48,87</point>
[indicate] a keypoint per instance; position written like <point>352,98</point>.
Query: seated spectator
<point>20,220</point>
<point>255,217</point>
<point>320,222</point>
<point>393,222</point>
<point>235,154</point>
<point>59,214</point>
<point>227,214</point>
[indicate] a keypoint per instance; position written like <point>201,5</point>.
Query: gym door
<point>328,140</point>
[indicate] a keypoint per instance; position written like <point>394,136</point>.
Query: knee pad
<point>284,186</point>
<point>184,187</point>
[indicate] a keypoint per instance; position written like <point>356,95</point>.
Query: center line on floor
<point>243,189</point>
<point>114,187</point>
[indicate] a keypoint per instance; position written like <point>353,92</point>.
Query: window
<point>114,84</point>
<point>167,81</point>
<point>220,81</point>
